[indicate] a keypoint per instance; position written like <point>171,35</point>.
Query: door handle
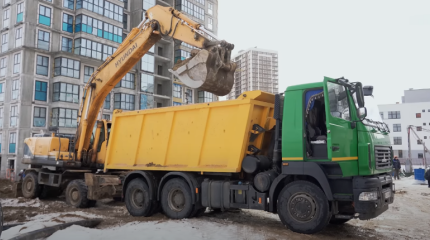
<point>334,148</point>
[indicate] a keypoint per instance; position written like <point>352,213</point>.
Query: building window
<point>210,8</point>
<point>39,117</point>
<point>201,2</point>
<point>419,128</point>
<point>13,116</point>
<point>66,44</point>
<point>112,32</point>
<point>146,101</point>
<point>191,9</point>
<point>124,101</point>
<point>18,37</point>
<point>397,140</point>
<point>397,128</point>
<point>19,12</point>
<point>210,23</point>
<point>67,23</point>
<point>382,115</point>
<point>107,51</point>
<point>64,117</point>
<point>88,48</point>
<point>1,120</point>
<point>65,92</point>
<point>148,63</point>
<point>177,90</point>
<point>106,116</point>
<point>400,153</point>
<point>420,155</point>
<point>6,18</point>
<point>418,115</point>
<point>91,5</point>
<point>127,81</point>
<point>189,96</point>
<point>2,87</point>
<point>89,25</point>
<point>88,71</point>
<point>15,89</point>
<point>42,65</point>
<point>177,104</point>
<point>181,55</point>
<point>394,115</point>
<point>425,137</point>
<point>113,11</point>
<point>3,65</point>
<point>205,97</point>
<point>45,15</point>
<point>147,83</point>
<point>69,4</point>
<point>17,63</point>
<point>419,142</point>
<point>147,4</point>
<point>12,142</point>
<point>125,21</point>
<point>43,39</point>
<point>41,91</point>
<point>106,105</point>
<point>67,67</point>
<point>4,42</point>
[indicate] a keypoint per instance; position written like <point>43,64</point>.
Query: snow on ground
<point>19,202</point>
<point>191,229</point>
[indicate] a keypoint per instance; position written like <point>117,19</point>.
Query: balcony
<point>161,96</point>
<point>162,59</point>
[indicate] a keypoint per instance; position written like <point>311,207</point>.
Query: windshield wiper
<point>381,126</point>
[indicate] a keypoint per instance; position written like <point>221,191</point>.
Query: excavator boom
<point>209,69</point>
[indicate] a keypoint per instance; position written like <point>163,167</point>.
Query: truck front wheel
<point>176,199</point>
<point>137,199</point>
<point>76,194</point>
<point>303,207</point>
<point>30,186</point>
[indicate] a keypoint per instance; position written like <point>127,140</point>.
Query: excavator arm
<point>209,69</point>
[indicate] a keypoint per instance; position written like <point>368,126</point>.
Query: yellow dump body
<point>207,137</point>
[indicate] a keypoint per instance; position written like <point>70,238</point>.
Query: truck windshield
<point>373,118</point>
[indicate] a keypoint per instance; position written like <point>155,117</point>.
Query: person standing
<point>396,166</point>
<point>427,176</point>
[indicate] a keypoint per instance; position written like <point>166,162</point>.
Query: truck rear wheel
<point>303,207</point>
<point>30,186</point>
<point>137,199</point>
<point>76,195</point>
<point>176,199</point>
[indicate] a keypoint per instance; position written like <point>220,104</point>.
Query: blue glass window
<point>107,102</point>
<point>44,15</point>
<point>41,91</point>
<point>19,12</point>
<point>67,23</point>
<point>146,101</point>
<point>69,4</point>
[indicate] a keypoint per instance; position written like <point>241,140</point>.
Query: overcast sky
<point>384,43</point>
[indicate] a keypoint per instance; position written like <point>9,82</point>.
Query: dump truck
<point>315,154</point>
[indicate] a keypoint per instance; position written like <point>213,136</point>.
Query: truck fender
<point>310,169</point>
<point>150,179</point>
<point>191,180</point>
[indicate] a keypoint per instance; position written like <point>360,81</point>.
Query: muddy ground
<point>407,218</point>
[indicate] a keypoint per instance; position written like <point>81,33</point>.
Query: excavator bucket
<point>208,69</point>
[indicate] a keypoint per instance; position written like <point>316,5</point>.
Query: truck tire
<point>30,186</point>
<point>76,194</point>
<point>303,207</point>
<point>137,199</point>
<point>176,199</point>
<point>338,221</point>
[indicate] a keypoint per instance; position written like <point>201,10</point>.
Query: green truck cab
<point>344,150</point>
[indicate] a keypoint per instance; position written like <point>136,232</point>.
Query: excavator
<point>208,69</point>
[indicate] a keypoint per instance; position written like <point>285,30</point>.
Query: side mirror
<point>359,95</point>
<point>362,112</point>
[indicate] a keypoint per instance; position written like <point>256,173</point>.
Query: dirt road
<point>407,218</point>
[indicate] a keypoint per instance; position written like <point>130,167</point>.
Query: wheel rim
<point>74,195</point>
<point>137,198</point>
<point>302,207</point>
<point>28,185</point>
<point>176,199</point>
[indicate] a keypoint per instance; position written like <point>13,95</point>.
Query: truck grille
<point>383,158</point>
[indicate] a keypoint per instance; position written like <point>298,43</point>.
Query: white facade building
<point>257,69</point>
<point>399,117</point>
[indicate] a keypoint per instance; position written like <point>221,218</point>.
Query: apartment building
<point>257,69</point>
<point>50,48</point>
<point>414,110</point>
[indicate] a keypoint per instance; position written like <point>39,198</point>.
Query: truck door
<point>341,137</point>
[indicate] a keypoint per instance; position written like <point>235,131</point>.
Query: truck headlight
<point>368,196</point>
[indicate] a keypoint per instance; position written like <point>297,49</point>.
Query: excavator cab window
<point>102,139</point>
